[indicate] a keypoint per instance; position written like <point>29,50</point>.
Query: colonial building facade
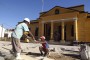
<point>63,24</point>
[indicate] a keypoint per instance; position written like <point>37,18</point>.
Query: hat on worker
<point>42,37</point>
<point>27,19</point>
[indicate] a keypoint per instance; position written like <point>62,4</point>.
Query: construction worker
<point>21,28</point>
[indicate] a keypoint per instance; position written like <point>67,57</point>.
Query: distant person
<point>21,28</point>
<point>44,49</point>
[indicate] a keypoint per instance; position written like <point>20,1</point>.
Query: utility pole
<point>42,5</point>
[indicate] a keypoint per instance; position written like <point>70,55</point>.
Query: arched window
<point>57,11</point>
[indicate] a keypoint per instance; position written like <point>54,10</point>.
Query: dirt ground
<point>63,57</point>
<point>31,52</point>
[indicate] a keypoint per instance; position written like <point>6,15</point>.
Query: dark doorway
<point>57,34</point>
<point>60,32</point>
<point>36,33</point>
<point>47,31</point>
<point>65,33</point>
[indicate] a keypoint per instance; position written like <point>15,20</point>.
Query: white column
<point>76,30</point>
<point>42,29</point>
<point>62,31</point>
<point>51,30</point>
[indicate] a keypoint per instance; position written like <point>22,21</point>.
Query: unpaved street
<point>30,51</point>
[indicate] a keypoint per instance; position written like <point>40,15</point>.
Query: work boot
<point>18,57</point>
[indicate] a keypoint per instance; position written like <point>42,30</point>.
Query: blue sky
<point>14,11</point>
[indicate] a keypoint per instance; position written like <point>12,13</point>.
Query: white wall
<point>9,33</point>
<point>2,30</point>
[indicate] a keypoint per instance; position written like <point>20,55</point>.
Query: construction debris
<point>57,52</point>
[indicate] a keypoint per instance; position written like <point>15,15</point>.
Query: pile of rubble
<point>56,56</point>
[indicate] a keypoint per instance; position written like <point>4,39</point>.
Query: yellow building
<point>63,24</point>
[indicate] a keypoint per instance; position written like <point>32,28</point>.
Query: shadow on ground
<point>73,55</point>
<point>1,54</point>
<point>33,54</point>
